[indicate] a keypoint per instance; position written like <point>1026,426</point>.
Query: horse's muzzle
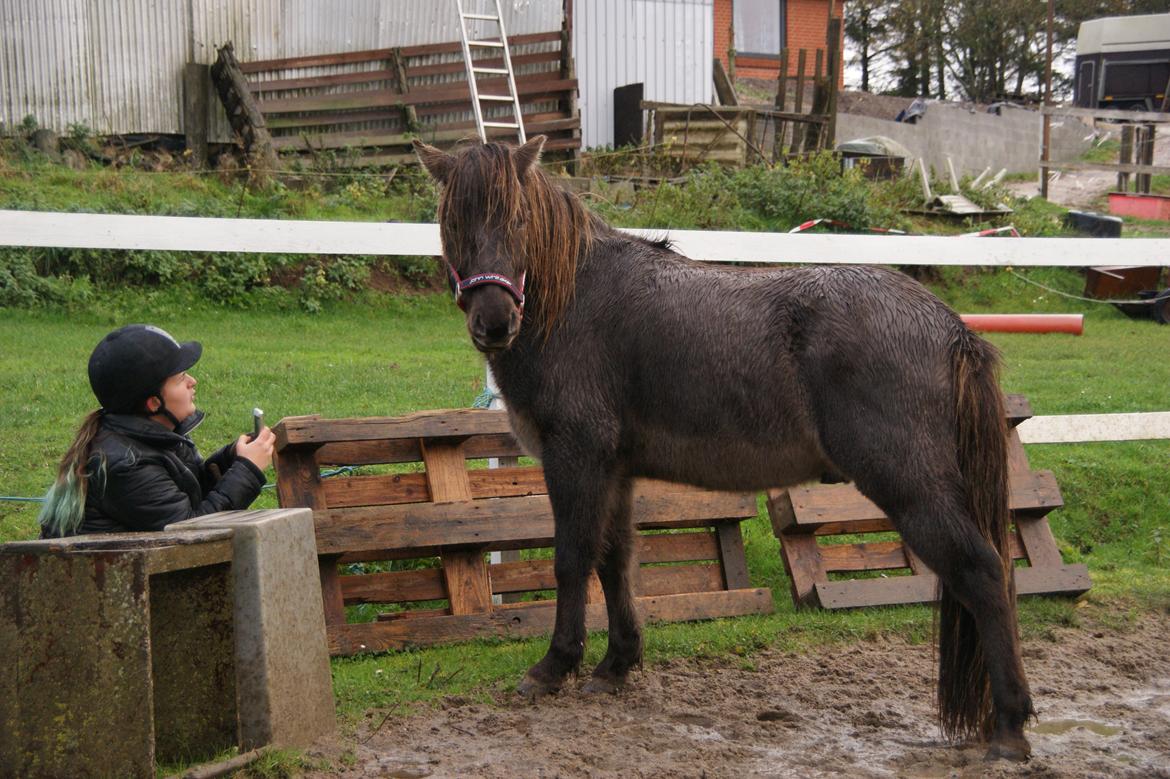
<point>493,334</point>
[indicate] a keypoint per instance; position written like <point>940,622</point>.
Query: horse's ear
<point>528,154</point>
<point>436,161</point>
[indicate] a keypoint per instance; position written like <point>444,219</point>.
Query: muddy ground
<point>860,710</point>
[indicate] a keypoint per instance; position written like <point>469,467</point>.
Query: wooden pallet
<point>689,543</point>
<point>375,102</point>
<point>803,517</point>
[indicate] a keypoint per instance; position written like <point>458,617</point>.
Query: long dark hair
<point>64,506</point>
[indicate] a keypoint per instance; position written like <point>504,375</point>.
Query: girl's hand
<point>259,451</point>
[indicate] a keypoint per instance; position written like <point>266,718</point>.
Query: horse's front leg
<point>580,489</point>
<point>616,570</point>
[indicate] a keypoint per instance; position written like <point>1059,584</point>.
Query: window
<point>759,27</point>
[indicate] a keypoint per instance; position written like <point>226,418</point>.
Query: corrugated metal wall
<point>116,66</point>
<point>667,45</point>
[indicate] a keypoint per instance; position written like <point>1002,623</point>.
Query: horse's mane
<point>555,229</point>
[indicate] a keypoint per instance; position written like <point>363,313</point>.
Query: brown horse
<point>618,358</point>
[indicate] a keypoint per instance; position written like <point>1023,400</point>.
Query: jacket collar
<point>146,429</point>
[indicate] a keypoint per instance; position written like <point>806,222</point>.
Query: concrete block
<point>105,642</point>
<point>282,657</point>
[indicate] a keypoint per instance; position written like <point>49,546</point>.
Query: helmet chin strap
<point>162,409</point>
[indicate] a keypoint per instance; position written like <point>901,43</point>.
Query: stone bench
<point>126,650</point>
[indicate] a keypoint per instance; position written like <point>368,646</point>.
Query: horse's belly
<point>729,465</point>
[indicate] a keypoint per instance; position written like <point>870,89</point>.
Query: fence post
<point>833,73</point>
<point>196,87</point>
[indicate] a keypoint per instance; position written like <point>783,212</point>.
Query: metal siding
<point>116,66</point>
<point>665,44</point>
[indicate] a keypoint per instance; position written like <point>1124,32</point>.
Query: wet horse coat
<point>618,358</point>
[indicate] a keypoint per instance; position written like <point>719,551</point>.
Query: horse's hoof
<point>598,685</point>
<point>1016,749</point>
<point>532,688</point>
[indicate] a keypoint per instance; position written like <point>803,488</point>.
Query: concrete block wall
<point>973,141</point>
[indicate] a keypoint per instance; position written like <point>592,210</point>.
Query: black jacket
<point>153,476</point>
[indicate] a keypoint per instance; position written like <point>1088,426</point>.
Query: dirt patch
<point>863,710</point>
<point>1083,189</point>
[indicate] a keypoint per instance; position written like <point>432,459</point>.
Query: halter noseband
<point>480,279</point>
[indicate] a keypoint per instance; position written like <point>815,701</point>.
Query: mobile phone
<point>257,423</point>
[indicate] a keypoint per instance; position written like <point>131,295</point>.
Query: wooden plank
<point>374,139</point>
<point>1016,408</point>
<point>532,575</point>
<point>388,74</point>
<point>534,619</point>
<point>348,491</point>
<point>519,61</point>
<point>1038,542</point>
<point>802,563</point>
<point>453,423</point>
<point>677,547</point>
<point>841,504</point>
<point>1060,580</point>
<point>394,586</point>
<point>298,483</point>
<point>498,523</point>
<point>679,579</point>
<point>322,82</point>
<point>733,562</point>
<point>370,55</point>
<point>457,92</point>
<point>867,556</point>
<point>523,576</point>
<point>391,451</point>
<point>465,572</point>
<point>388,115</point>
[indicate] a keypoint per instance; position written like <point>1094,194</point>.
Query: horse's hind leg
<point>581,489</point>
<point>910,470</point>
<point>615,571</point>
<point>972,573</point>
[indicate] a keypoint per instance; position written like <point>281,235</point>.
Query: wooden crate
<point>692,563</point>
<point>804,517</point>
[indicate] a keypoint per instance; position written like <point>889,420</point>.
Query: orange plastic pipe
<point>1073,324</point>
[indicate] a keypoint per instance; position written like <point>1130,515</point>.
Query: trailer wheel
<point>1160,308</point>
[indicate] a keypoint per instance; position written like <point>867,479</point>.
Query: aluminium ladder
<point>477,99</point>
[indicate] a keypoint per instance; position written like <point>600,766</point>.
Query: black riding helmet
<point>132,363</point>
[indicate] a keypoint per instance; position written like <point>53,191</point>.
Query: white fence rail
<point>177,233</point>
<point>106,231</point>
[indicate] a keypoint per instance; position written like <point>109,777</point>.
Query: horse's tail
<point>964,689</point>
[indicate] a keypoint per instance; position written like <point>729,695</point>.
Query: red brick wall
<point>806,24</point>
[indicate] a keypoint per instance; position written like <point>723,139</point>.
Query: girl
<point>132,465</point>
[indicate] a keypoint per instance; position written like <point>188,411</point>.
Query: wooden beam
<point>534,619</point>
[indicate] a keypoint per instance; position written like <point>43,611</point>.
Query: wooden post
<point>244,113</point>
<point>724,89</point>
<point>398,68</point>
<point>1125,156</point>
<point>781,103</point>
<point>298,483</point>
<point>196,87</point>
<point>1145,156</point>
<point>833,71</point>
<point>1046,134</point>
<point>465,572</point>
<point>569,71</point>
<point>798,107</point>
<point>812,131</point>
